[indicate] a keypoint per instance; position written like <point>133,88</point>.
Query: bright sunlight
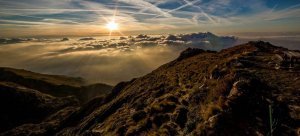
<point>112,26</point>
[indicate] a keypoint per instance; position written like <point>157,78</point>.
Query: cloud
<point>102,60</point>
<point>197,40</point>
<point>14,40</point>
<point>151,7</point>
<point>290,12</point>
<point>114,60</point>
<point>108,65</point>
<point>138,15</point>
<point>86,39</point>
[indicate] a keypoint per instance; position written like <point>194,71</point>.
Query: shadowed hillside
<point>21,105</point>
<point>56,85</point>
<point>232,92</point>
<point>28,97</point>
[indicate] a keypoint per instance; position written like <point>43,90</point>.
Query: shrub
<point>159,119</point>
<point>163,107</point>
<point>181,117</point>
<point>137,116</point>
<point>210,110</point>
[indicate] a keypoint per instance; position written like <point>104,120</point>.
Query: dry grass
<point>209,110</point>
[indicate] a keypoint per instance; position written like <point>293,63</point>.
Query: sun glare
<point>112,26</point>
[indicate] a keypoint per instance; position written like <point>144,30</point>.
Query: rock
<point>213,120</point>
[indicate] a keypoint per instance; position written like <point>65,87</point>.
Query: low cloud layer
<point>98,59</point>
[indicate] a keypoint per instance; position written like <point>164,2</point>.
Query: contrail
<point>180,7</point>
<point>202,12</point>
<point>73,10</point>
<point>145,4</point>
<point>22,15</point>
<point>145,9</point>
<point>38,18</point>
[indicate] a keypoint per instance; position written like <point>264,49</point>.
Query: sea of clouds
<point>103,59</point>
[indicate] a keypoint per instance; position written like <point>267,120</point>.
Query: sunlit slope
<point>232,92</point>
<point>203,93</point>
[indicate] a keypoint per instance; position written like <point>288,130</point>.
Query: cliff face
<point>232,92</point>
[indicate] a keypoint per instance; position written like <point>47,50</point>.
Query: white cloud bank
<point>100,60</point>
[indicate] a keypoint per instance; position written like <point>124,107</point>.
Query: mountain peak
<point>189,52</point>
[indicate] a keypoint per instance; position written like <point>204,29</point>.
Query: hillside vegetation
<point>232,92</point>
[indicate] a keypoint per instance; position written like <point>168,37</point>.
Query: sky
<point>90,17</point>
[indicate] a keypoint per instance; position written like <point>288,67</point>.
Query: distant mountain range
<point>249,89</point>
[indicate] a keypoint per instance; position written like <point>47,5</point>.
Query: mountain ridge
<point>158,110</point>
<point>55,85</point>
<point>229,92</point>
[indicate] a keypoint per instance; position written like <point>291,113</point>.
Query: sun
<point>112,26</point>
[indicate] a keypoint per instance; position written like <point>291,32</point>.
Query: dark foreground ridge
<point>28,97</point>
<point>232,92</point>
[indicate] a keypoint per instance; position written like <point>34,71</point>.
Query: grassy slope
<point>206,93</point>
<point>200,93</point>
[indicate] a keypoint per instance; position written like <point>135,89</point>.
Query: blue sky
<point>89,17</point>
